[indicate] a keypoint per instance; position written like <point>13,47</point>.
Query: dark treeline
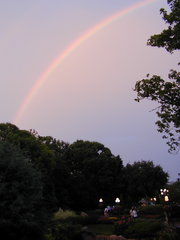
<point>40,174</point>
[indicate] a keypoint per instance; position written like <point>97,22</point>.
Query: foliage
<point>165,93</point>
<point>62,215</point>
<point>20,194</point>
<point>122,225</point>
<point>168,235</point>
<point>169,38</point>
<point>93,170</point>
<point>21,231</point>
<point>101,229</point>
<point>174,192</point>
<point>66,225</point>
<point>151,209</point>
<point>174,211</point>
<point>56,146</point>
<point>41,157</point>
<point>87,166</point>
<point>63,231</point>
<point>60,174</point>
<point>71,217</point>
<point>143,228</point>
<point>142,179</point>
<point>76,175</point>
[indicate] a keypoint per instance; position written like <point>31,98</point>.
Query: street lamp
<point>164,193</point>
<point>166,198</point>
<point>153,200</point>
<point>117,201</point>
<point>100,200</point>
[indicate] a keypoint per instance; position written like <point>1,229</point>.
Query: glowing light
<point>117,200</point>
<point>166,198</point>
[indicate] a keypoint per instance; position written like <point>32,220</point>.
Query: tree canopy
<point>142,179</point>
<point>40,155</point>
<point>93,172</point>
<point>77,175</point>
<point>169,38</point>
<point>174,192</point>
<point>20,193</point>
<point>165,93</point>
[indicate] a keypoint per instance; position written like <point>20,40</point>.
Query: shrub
<point>63,231</point>
<point>175,211</point>
<point>70,216</point>
<point>151,210</point>
<point>143,228</point>
<point>61,215</point>
<point>121,225</point>
<point>23,231</point>
<point>97,212</point>
<point>88,220</point>
<point>168,235</point>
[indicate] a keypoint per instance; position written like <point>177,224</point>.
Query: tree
<point>169,38</point>
<point>174,192</point>
<point>142,179</point>
<point>165,93</point>
<point>21,197</point>
<point>58,147</point>
<point>41,156</point>
<point>60,175</point>
<point>93,173</point>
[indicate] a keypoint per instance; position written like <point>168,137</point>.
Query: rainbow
<point>68,50</point>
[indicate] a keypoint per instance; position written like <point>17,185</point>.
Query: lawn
<point>101,229</point>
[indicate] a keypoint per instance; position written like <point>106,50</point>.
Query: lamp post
<point>153,200</point>
<point>164,193</point>
<point>166,198</point>
<point>100,202</point>
<point>117,201</point>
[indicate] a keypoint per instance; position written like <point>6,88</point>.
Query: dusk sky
<point>87,93</point>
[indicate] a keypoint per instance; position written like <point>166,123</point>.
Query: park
<point>51,189</point>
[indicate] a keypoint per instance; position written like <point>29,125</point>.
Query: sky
<point>88,94</point>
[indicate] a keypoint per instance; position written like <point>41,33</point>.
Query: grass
<point>101,229</point>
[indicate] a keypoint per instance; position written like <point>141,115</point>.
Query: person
<point>131,212</point>
<point>134,213</point>
<point>106,211</point>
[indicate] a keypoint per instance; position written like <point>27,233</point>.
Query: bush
<point>67,224</point>
<point>63,231</point>
<point>175,211</point>
<point>122,225</point>
<point>96,212</point>
<point>168,235</point>
<point>62,215</point>
<point>151,210</point>
<point>70,216</point>
<point>143,228</point>
<point>23,231</point>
